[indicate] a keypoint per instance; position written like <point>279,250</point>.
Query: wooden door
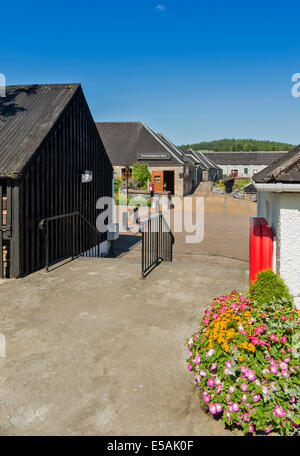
<point>158,180</point>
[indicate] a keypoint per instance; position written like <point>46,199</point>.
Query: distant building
<point>52,163</point>
<point>211,171</point>
<point>278,188</point>
<point>243,164</point>
<point>134,142</point>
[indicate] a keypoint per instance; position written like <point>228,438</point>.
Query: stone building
<point>134,142</point>
<point>243,164</point>
<point>278,188</point>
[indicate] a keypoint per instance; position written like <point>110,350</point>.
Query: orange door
<point>158,180</point>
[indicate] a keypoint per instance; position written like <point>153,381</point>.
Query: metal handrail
<point>157,242</point>
<point>69,241</point>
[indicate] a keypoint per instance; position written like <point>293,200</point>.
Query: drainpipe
<point>278,187</point>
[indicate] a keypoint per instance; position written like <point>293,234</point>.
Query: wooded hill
<point>239,145</point>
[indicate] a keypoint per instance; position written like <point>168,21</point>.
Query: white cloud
<point>160,7</point>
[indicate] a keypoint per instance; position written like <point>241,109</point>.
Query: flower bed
<point>245,360</point>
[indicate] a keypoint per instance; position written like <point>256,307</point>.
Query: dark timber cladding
<point>47,140</point>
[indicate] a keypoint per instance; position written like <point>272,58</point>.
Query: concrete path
<point>91,350</point>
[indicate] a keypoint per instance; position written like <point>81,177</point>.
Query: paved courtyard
<point>93,350</point>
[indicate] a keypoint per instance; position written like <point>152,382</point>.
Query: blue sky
<point>193,70</point>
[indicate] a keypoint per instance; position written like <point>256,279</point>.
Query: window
<point>245,170</point>
<point>126,173</point>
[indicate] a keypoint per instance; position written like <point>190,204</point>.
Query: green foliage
<point>141,174</point>
<point>267,287</point>
<point>227,145</point>
<point>117,184</point>
<point>245,361</point>
<point>239,183</point>
<point>131,202</point>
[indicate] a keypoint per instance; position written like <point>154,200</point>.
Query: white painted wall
<point>282,211</point>
<point>252,169</point>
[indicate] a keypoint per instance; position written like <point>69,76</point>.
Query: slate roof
<point>244,158</point>
<point>27,114</point>
<point>285,169</point>
<point>195,158</point>
<point>177,151</point>
<point>124,141</point>
<point>208,163</point>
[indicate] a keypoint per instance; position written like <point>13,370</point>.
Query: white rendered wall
<point>252,169</point>
<point>282,211</point>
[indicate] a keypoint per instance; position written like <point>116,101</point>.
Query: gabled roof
<point>126,141</point>
<point>206,162</point>
<point>195,158</point>
<point>244,158</point>
<point>177,151</point>
<point>27,114</point>
<point>285,169</point>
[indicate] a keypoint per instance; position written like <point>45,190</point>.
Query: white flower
<point>210,352</point>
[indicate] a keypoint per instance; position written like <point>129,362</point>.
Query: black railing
<point>157,242</point>
<point>69,236</point>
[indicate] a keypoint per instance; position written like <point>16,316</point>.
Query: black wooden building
<point>48,145</point>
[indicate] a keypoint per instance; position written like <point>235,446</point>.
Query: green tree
<point>141,174</point>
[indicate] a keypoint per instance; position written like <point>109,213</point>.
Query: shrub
<point>268,286</point>
<point>117,184</point>
<point>141,174</point>
<point>245,360</point>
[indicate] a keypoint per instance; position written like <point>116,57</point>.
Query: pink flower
<point>273,369</point>
<point>244,397</point>
<point>243,369</point>
<point>268,429</point>
<point>228,415</point>
<point>256,397</point>
<point>244,386</point>
<point>265,389</point>
<point>283,365</point>
<point>278,411</point>
<point>247,417</point>
<point>251,428</point>
<point>213,366</point>
<point>228,364</point>
<point>197,378</point>
<point>218,407</point>
<point>285,373</point>
<point>265,371</point>
<point>206,398</point>
<point>212,409</point>
<point>190,342</point>
<point>292,400</point>
<point>283,339</point>
<point>287,360</point>
<point>211,382</point>
<point>219,389</point>
<point>250,374</point>
<point>231,389</point>
<point>202,373</point>
<point>227,371</point>
<point>190,366</point>
<point>234,407</point>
